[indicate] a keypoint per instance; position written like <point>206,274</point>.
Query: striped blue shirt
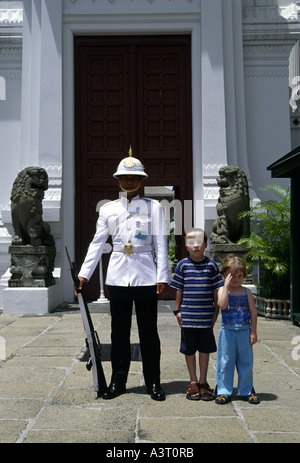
<point>197,281</point>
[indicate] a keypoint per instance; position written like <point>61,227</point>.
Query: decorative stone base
<point>31,266</point>
<point>219,251</point>
<point>28,301</point>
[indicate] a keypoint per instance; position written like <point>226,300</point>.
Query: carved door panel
<point>129,91</point>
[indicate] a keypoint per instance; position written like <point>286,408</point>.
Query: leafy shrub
<point>269,244</point>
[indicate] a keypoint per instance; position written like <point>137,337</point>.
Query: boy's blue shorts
<point>197,339</point>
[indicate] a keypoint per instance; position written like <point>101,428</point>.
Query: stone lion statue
<point>233,199</point>
<point>26,208</point>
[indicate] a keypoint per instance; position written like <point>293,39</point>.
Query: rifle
<point>92,341</point>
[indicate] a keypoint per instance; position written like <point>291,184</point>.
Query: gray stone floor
<point>47,395</point>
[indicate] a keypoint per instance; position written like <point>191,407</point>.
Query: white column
<point>213,94</point>
<point>41,137</point>
<point>198,190</point>
<point>30,82</point>
<point>224,140</point>
<point>234,85</point>
<point>213,111</point>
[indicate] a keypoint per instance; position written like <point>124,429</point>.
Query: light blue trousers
<point>234,350</point>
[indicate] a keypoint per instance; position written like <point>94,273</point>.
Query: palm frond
<point>279,190</point>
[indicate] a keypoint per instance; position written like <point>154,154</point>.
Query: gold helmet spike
<point>129,162</point>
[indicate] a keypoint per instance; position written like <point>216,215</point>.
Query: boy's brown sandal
<point>192,391</point>
<point>208,394</point>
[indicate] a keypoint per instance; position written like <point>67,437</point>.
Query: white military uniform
<point>138,262</point>
<point>140,255</point>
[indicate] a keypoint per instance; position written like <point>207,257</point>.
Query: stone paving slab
<point>47,395</point>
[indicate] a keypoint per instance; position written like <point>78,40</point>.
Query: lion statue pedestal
<point>31,266</point>
<point>33,247</point>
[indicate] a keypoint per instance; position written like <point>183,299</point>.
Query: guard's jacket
<point>139,255</point>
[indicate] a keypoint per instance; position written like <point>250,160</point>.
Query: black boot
<point>117,386</point>
<point>114,390</point>
<point>156,391</point>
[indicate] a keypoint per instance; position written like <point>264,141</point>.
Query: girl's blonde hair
<point>233,263</point>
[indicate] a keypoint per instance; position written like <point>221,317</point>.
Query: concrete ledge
<point>21,301</point>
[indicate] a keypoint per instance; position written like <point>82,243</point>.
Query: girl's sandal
<point>222,399</point>
<point>192,392</point>
<point>253,398</point>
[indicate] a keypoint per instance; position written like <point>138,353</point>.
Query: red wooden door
<point>129,91</point>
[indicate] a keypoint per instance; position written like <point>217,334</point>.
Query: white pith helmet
<point>130,166</point>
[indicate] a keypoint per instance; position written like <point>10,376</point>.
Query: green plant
<point>269,244</point>
<point>171,245</point>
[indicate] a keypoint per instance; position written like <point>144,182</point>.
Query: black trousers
<point>121,304</point>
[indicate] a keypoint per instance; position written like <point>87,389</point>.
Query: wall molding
<point>11,16</point>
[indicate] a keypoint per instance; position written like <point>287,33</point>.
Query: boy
<point>197,279</point>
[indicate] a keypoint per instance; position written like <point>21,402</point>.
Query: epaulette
<point>152,200</point>
<point>109,203</point>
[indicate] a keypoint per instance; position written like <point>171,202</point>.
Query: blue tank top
<point>237,314</point>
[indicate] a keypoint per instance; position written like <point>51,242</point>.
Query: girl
<point>237,334</point>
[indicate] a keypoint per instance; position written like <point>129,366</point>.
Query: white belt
<point>130,249</point>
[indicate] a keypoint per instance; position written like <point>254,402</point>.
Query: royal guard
<point>137,272</point>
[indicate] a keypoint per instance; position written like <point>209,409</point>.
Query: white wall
<point>268,126</point>
<point>10,116</point>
